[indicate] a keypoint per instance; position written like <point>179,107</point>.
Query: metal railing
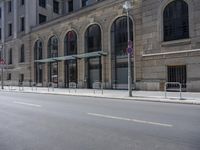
<point>34,86</point>
<point>21,86</point>
<point>50,86</point>
<point>97,86</point>
<point>72,85</point>
<point>179,89</point>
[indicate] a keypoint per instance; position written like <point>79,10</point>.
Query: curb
<point>136,98</point>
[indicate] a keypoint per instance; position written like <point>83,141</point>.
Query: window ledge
<point>176,42</point>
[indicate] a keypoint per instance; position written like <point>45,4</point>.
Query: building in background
<point>85,41</point>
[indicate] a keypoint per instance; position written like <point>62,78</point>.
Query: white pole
<point>129,59</point>
<point>2,59</point>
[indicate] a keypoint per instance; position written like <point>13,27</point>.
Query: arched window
<point>175,21</point>
<point>70,43</point>
<point>93,38</point>
<point>53,47</point>
<point>119,43</point>
<point>38,50</point>
<point>38,66</point>
<point>70,48</point>
<point>93,44</point>
<point>53,66</point>
<point>120,35</point>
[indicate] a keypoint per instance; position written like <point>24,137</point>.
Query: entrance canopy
<point>91,54</point>
<point>73,57</point>
<point>48,60</point>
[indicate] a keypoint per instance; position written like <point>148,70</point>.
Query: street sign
<point>2,63</point>
<point>130,47</point>
<point>129,50</point>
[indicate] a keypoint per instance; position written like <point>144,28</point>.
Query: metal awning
<point>46,60</point>
<point>73,57</point>
<point>91,54</point>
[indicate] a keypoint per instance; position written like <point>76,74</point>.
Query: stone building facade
<point>89,45</point>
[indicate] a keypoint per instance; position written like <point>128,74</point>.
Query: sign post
<point>127,6</point>
<point>2,64</point>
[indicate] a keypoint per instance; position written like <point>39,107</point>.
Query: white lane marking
<point>128,119</point>
<point>27,104</point>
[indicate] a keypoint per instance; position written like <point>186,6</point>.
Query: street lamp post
<point>2,65</point>
<point>127,6</point>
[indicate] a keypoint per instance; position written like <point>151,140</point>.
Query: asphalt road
<point>53,122</point>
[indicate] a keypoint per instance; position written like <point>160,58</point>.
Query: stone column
<point>81,62</point>
<point>45,66</point>
<point>3,21</point>
<point>61,77</point>
<point>15,19</point>
<point>27,27</point>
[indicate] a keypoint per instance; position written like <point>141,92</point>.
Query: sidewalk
<point>154,96</point>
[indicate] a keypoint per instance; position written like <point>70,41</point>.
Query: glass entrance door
<point>94,71</point>
<point>38,73</point>
<point>70,72</point>
<point>53,73</point>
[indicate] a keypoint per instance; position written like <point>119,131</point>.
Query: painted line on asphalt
<point>27,104</point>
<point>131,120</point>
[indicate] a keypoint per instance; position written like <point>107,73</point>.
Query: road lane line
<point>27,104</point>
<point>128,119</point>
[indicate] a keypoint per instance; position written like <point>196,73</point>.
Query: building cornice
<point>81,12</point>
<point>170,53</point>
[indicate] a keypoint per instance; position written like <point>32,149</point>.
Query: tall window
<point>93,38</point>
<point>55,6</point>
<point>10,56</point>
<point>21,77</point>
<point>70,43</point>
<point>9,6</point>
<point>0,34</point>
<point>9,76</point>
<point>93,44</point>
<point>22,24</point>
<point>22,2</point>
<point>22,55</point>
<point>0,13</point>
<point>42,18</point>
<point>84,3</point>
<point>42,3</point>
<point>70,48</point>
<point>38,56</point>
<point>120,35</point>
<point>119,42</point>
<point>70,6</point>
<point>175,21</point>
<point>53,47</point>
<point>10,29</point>
<point>38,50</point>
<point>53,52</point>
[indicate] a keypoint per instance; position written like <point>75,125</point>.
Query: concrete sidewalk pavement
<point>155,96</point>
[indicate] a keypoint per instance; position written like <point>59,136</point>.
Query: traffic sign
<point>129,50</point>
<point>2,62</point>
